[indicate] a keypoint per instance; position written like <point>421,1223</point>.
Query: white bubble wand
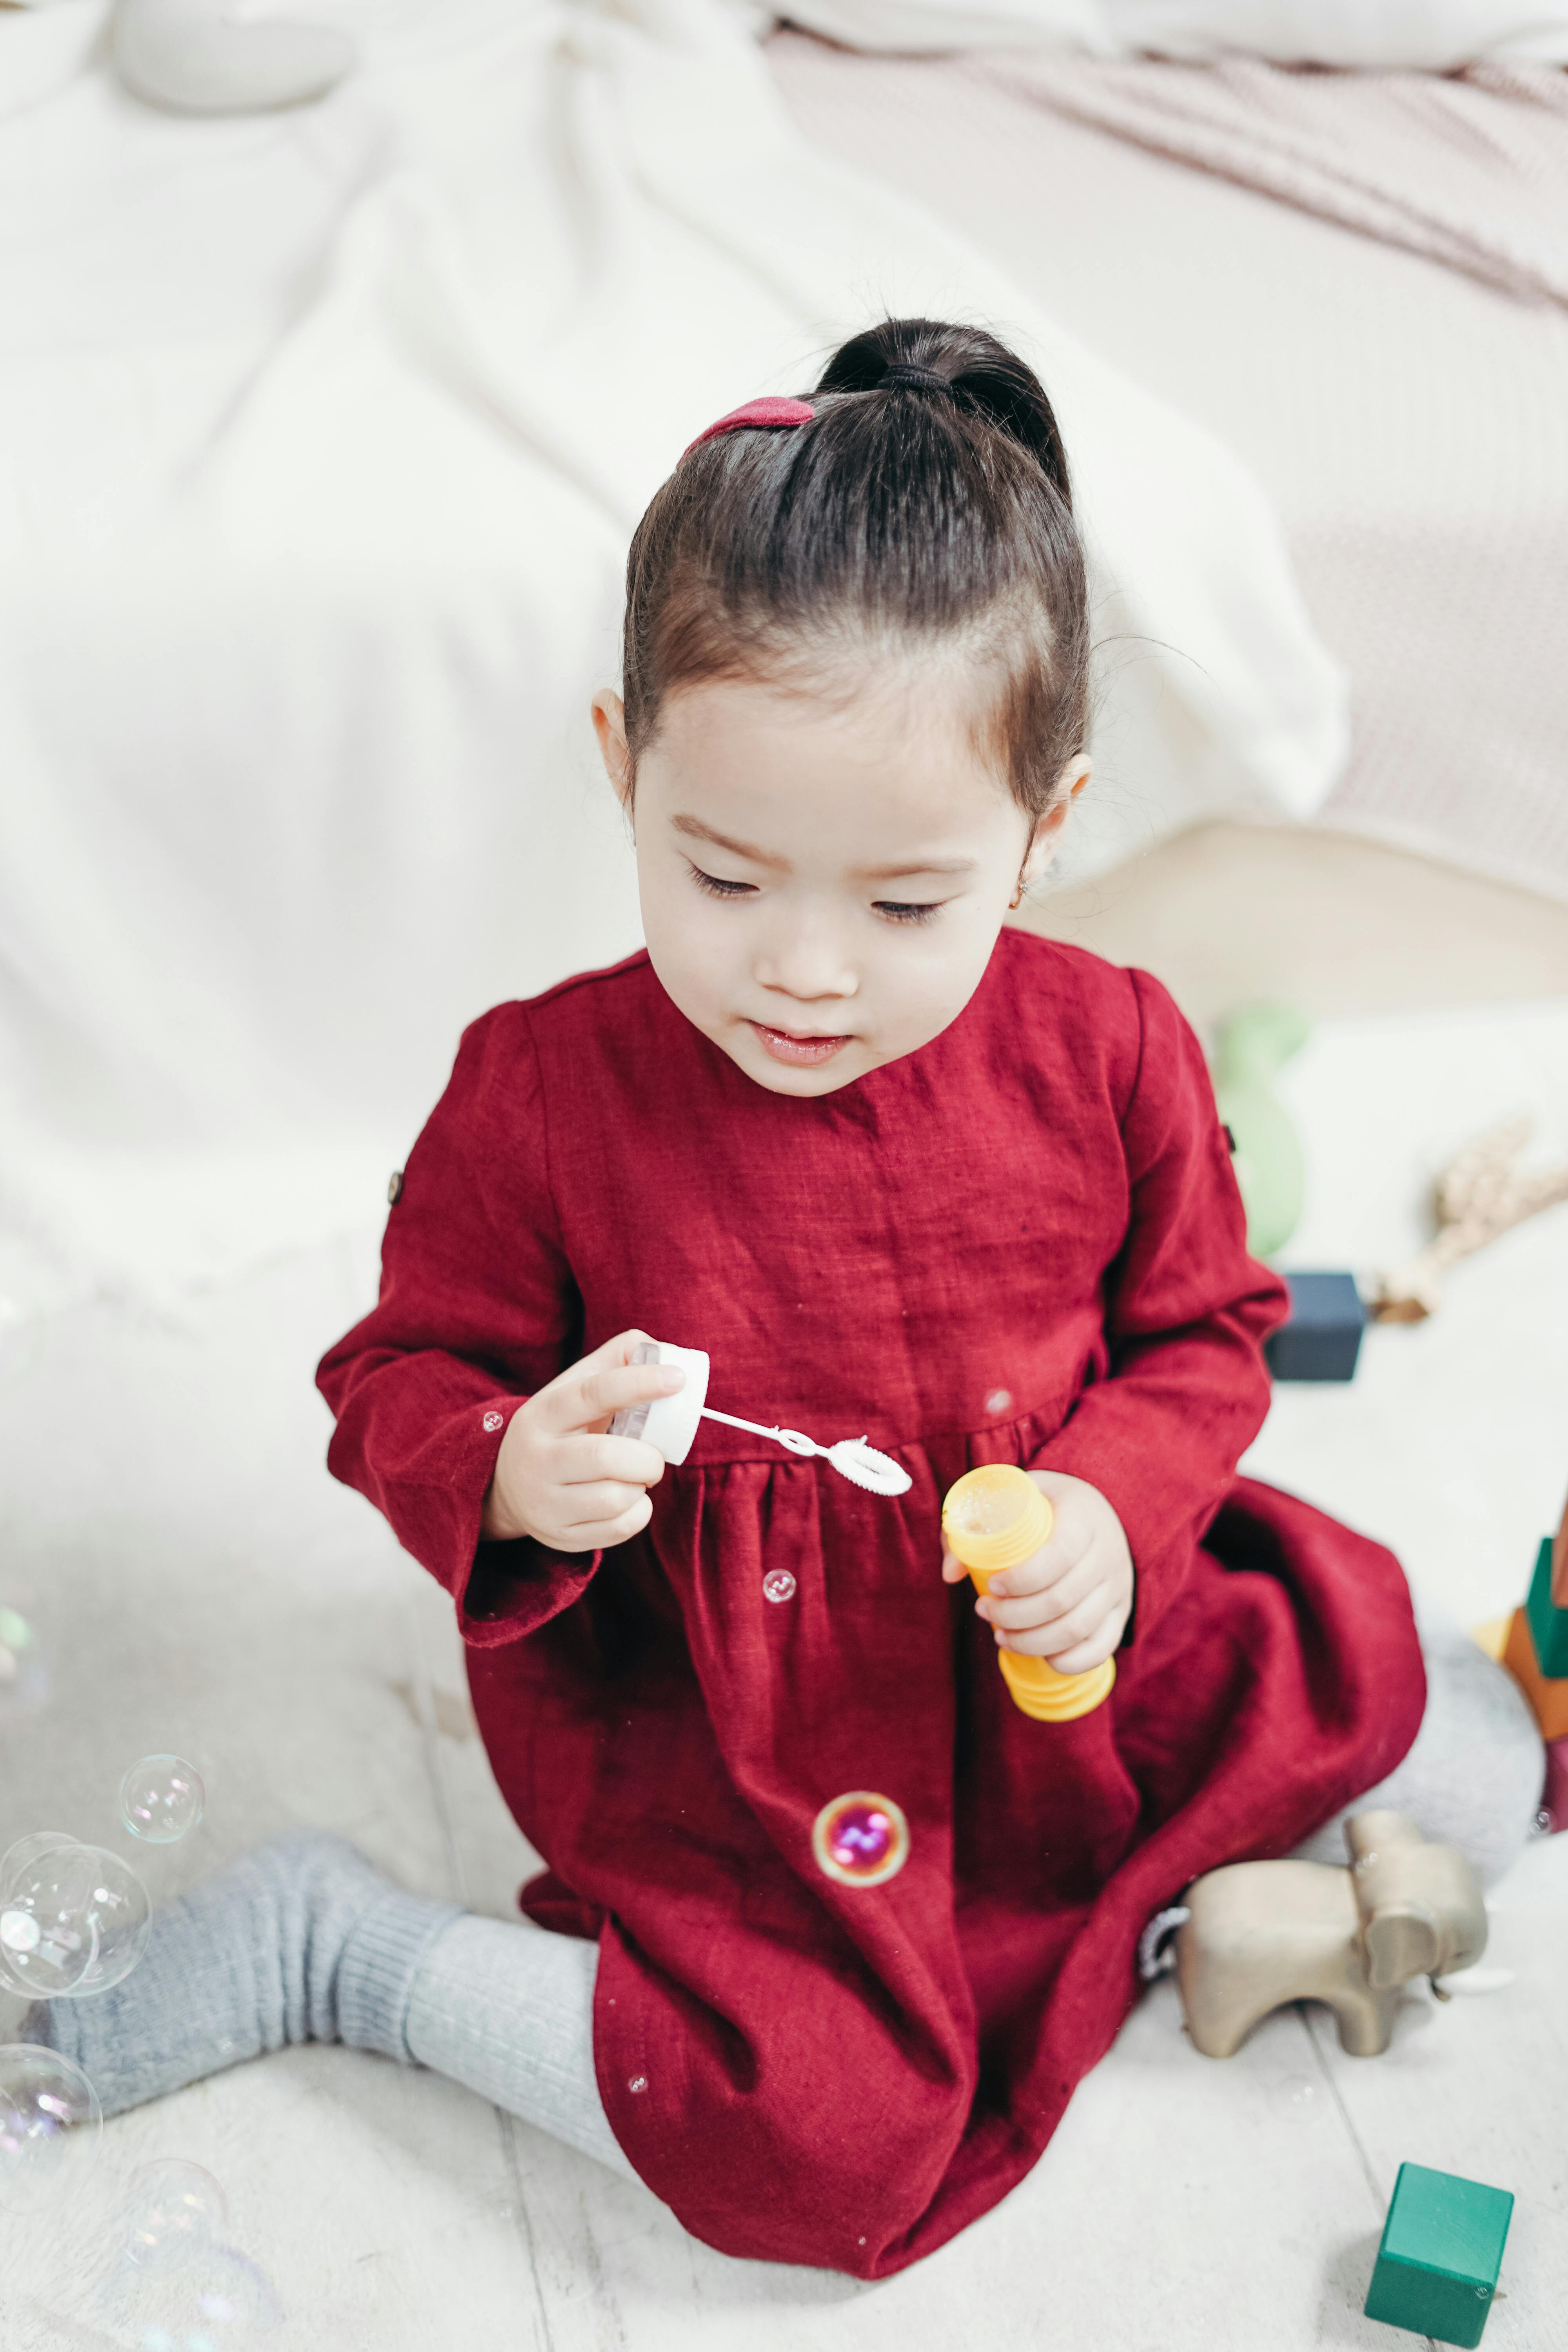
<point>670,1424</point>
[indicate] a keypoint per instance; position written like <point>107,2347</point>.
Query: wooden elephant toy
<point>1261,1933</point>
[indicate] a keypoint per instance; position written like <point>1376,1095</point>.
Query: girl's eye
<point>896,912</point>
<point>717,887</point>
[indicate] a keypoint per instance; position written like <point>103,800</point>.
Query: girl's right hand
<point>559,1476</point>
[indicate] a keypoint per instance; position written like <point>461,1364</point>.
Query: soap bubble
<point>173,2207</point>
<point>48,2108</point>
<point>24,1678</point>
<point>73,1918</point>
<point>232,2299</point>
<point>998,1401</point>
<point>861,1839</point>
<point>25,1850</point>
<point>121,1919</point>
<point>778,1584</point>
<point>213,2299</point>
<point>162,1799</point>
<point>48,1929</point>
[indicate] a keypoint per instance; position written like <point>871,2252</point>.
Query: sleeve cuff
<point>515,1587</point>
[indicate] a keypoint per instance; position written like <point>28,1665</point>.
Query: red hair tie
<point>763,415</point>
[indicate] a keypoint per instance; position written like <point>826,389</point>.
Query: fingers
<point>588,1394</point>
<point>1045,1604</point>
<point>595,1504</point>
<point>599,1535</point>
<point>1065,1632</point>
<point>578,1460</point>
<point>1096,1649</point>
<point>1067,1546</point>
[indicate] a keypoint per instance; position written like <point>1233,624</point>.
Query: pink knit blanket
<point>1470,169</point>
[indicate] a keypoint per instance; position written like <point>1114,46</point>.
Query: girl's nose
<point>808,965</point>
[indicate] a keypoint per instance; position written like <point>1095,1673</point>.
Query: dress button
<point>395,1187</point>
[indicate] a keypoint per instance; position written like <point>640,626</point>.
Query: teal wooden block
<point>1442,2248</point>
<point>1547,1626</point>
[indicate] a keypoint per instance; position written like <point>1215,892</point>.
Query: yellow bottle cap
<point>1051,1697</point>
<point>995,1516</point>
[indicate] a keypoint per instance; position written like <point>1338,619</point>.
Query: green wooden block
<point>1441,2251</point>
<point>1547,1626</point>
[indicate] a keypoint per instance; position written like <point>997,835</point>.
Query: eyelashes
<point>717,888</point>
<point>892,911</point>
<point>896,913</point>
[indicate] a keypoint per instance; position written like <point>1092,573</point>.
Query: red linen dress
<point>1023,1243</point>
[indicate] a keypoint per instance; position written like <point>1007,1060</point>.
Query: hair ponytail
<point>928,498</point>
<point>978,373</point>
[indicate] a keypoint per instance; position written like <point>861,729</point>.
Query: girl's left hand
<point>1070,1601</point>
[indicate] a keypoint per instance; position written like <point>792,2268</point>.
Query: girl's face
<point>822,883</point>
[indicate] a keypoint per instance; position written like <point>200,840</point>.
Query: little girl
<point>903,1172</point>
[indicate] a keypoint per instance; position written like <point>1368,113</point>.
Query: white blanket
<point>324,432</point>
<point>1432,35</point>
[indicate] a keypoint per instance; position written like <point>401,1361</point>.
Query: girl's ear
<point>1047,832</point>
<point>610,727</point>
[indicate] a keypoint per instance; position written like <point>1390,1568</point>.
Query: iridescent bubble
<point>778,1584</point>
<point>861,1839</point>
<point>48,1934</point>
<point>24,1677</point>
<point>233,2297</point>
<point>213,2300</point>
<point>162,1799</point>
<point>49,2118</point>
<point>121,1922</point>
<point>73,1918</point>
<point>174,2208</point>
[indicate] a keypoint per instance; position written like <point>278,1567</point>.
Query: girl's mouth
<point>793,1045</point>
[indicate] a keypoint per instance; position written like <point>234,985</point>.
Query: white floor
<point>203,1587</point>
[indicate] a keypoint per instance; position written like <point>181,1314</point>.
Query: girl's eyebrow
<point>951,865</point>
<point>696,830</point>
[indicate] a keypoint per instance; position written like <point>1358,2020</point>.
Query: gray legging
<point>1473,1775</point>
<point>302,1940</point>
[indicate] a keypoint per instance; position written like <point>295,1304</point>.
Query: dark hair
<point>929,498</point>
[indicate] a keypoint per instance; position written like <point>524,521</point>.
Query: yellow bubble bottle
<point>993,1518</point>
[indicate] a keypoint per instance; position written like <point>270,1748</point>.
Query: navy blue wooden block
<point>1322,1339</point>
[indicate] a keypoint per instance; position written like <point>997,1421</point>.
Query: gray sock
<point>300,1940</point>
<point>508,2008</point>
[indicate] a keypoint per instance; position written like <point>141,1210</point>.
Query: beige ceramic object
<point>1263,1933</point>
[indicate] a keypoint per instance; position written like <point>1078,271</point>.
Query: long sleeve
<point>1186,1311</point>
<point>478,1309</point>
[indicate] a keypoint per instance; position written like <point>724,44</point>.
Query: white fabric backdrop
<point>323,435</point>
<point>1433,35</point>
